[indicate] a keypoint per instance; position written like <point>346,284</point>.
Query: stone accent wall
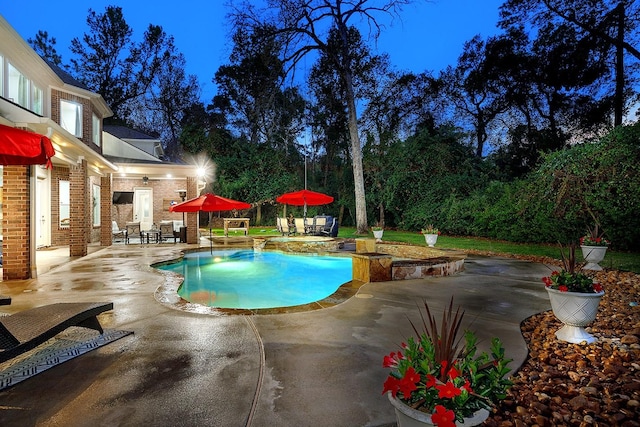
<point>16,221</point>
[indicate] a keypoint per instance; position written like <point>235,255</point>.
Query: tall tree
<point>304,25</point>
<point>111,64</point>
<point>45,46</point>
<point>251,90</point>
<point>612,24</point>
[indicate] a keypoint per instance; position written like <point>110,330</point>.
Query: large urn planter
<point>406,416</point>
<point>431,239</point>
<point>576,310</point>
<point>593,255</point>
<point>378,235</point>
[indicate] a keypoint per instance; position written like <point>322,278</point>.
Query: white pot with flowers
<point>436,379</point>
<point>430,235</point>
<point>378,231</point>
<point>574,299</point>
<point>594,248</point>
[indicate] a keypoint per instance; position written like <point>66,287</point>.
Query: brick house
<point>71,204</point>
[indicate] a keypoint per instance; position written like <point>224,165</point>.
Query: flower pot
<point>406,416</point>
<point>593,255</point>
<point>576,310</point>
<point>378,235</point>
<point>431,239</point>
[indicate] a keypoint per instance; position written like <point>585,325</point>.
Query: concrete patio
<point>316,368</point>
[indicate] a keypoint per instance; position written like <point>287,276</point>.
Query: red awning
<point>20,147</point>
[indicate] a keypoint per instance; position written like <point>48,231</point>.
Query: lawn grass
<point>626,261</point>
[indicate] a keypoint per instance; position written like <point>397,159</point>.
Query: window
<point>96,205</point>
<point>71,117</point>
<point>65,203</point>
<point>95,132</point>
<point>37,101</point>
<point>18,90</point>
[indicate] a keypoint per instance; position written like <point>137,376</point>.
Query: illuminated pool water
<point>248,279</point>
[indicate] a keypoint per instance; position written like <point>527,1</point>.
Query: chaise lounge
<point>27,329</point>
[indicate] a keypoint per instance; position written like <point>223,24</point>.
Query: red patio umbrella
<point>209,203</point>
<point>304,197</point>
<point>20,147</point>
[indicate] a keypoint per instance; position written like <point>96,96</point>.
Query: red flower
<point>547,281</point>
<point>448,390</point>
<point>408,383</point>
<point>453,373</point>
<point>597,287</point>
<point>391,360</point>
<point>467,386</point>
<point>431,381</point>
<point>443,417</point>
<point>392,385</point>
<point>443,368</point>
<point>563,288</point>
<point>555,273</point>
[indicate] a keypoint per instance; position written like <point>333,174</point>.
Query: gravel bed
<point>564,384</point>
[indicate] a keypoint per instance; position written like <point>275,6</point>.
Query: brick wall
<point>16,223</point>
<point>105,211</point>
<point>80,215</point>
<point>87,115</point>
<point>163,190</point>
<point>59,235</point>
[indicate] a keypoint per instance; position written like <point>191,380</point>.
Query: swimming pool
<point>252,280</point>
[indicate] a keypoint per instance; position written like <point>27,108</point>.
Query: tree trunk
<point>619,95</point>
<point>356,158</point>
<point>259,214</point>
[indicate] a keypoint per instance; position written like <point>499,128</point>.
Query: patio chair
<point>167,232</point>
<point>301,225</point>
<point>133,229</point>
<point>116,231</point>
<point>27,329</point>
<point>283,226</point>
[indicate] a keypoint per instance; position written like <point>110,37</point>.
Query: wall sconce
<point>183,194</point>
<point>145,180</point>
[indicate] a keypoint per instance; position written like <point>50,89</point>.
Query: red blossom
<point>448,390</point>
<point>547,281</point>
<point>431,381</point>
<point>597,287</point>
<point>443,417</point>
<point>391,361</point>
<point>443,368</point>
<point>392,385</point>
<point>467,386</point>
<point>563,288</point>
<point>453,373</point>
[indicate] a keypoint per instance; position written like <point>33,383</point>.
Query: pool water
<point>248,279</point>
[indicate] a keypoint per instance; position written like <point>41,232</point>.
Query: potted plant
<point>378,231</point>
<point>430,235</point>
<point>574,299</point>
<point>436,379</point>
<point>594,247</point>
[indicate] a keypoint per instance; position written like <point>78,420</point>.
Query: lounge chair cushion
<point>27,329</point>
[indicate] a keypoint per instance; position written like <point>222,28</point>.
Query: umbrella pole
<point>210,242</point>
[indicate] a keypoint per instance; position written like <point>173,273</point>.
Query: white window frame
<point>71,117</point>
<point>95,198</point>
<point>19,87</point>
<point>95,131</point>
<point>64,195</point>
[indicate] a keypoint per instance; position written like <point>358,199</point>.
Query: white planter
<point>593,255</point>
<point>576,310</point>
<point>409,417</point>
<point>431,239</point>
<point>378,235</point>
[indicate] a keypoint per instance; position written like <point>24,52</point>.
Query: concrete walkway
<point>317,368</point>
